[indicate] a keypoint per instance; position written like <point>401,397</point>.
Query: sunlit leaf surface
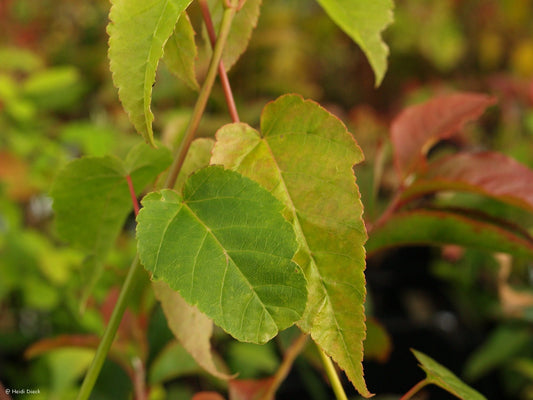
<point>226,248</point>
<point>304,155</point>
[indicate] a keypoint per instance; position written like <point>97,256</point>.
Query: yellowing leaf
<point>192,328</point>
<point>138,31</point>
<point>304,156</point>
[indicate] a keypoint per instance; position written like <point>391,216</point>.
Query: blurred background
<point>57,103</point>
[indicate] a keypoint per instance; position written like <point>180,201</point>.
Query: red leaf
<point>207,396</point>
<point>488,173</point>
<point>419,127</point>
<point>248,389</point>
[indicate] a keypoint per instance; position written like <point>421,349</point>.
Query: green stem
<point>415,389</point>
<point>134,274</point>
<point>203,96</point>
<point>135,270</point>
<point>334,380</point>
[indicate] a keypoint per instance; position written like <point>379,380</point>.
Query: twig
<point>292,352</point>
<point>221,69</point>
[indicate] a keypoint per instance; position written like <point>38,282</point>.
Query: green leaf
<point>504,345</point>
<point>138,31</point>
<point>241,29</point>
<point>180,52</point>
<point>433,227</point>
<point>364,21</point>
<point>171,363</point>
<point>192,328</point>
<point>444,378</point>
<point>92,199</point>
<point>304,156</point>
<point>227,249</point>
<point>197,157</point>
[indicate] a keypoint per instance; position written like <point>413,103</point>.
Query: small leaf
<point>227,249</point>
<point>197,157</point>
<point>378,344</point>
<point>192,328</point>
<point>180,52</point>
<point>241,29</point>
<point>419,127</point>
<point>249,389</point>
<point>304,156</point>
<point>91,198</point>
<point>207,396</point>
<point>487,173</point>
<point>434,227</point>
<point>138,31</point>
<point>444,378</point>
<point>504,344</point>
<point>171,363</point>
<point>364,21</point>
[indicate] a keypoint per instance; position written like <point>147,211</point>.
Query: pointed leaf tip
<point>138,31</point>
<point>364,21</point>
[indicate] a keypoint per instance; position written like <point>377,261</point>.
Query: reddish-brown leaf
<point>487,173</point>
<point>207,396</point>
<point>419,127</point>
<point>248,389</point>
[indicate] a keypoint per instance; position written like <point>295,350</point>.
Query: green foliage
<point>92,199</point>
<point>236,265</point>
<point>443,377</point>
<point>364,22</point>
<point>137,33</point>
<point>180,52</point>
<point>318,190</point>
<point>284,243</point>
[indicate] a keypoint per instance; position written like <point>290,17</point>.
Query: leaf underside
<point>419,127</point>
<point>227,249</point>
<point>192,328</point>
<point>444,378</point>
<point>487,173</point>
<point>91,199</point>
<point>180,52</point>
<point>434,227</point>
<point>364,21</point>
<point>304,156</point>
<point>242,27</point>
<point>138,31</point>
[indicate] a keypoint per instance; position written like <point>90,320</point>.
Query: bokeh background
<point>57,103</point>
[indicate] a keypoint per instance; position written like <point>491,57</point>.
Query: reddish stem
<point>221,69</point>
<point>415,389</point>
<point>133,196</point>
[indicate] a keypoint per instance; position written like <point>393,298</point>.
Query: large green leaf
<point>304,156</point>
<point>364,21</point>
<point>444,378</point>
<point>436,227</point>
<point>92,199</point>
<point>180,52</point>
<point>138,31</point>
<point>226,248</point>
